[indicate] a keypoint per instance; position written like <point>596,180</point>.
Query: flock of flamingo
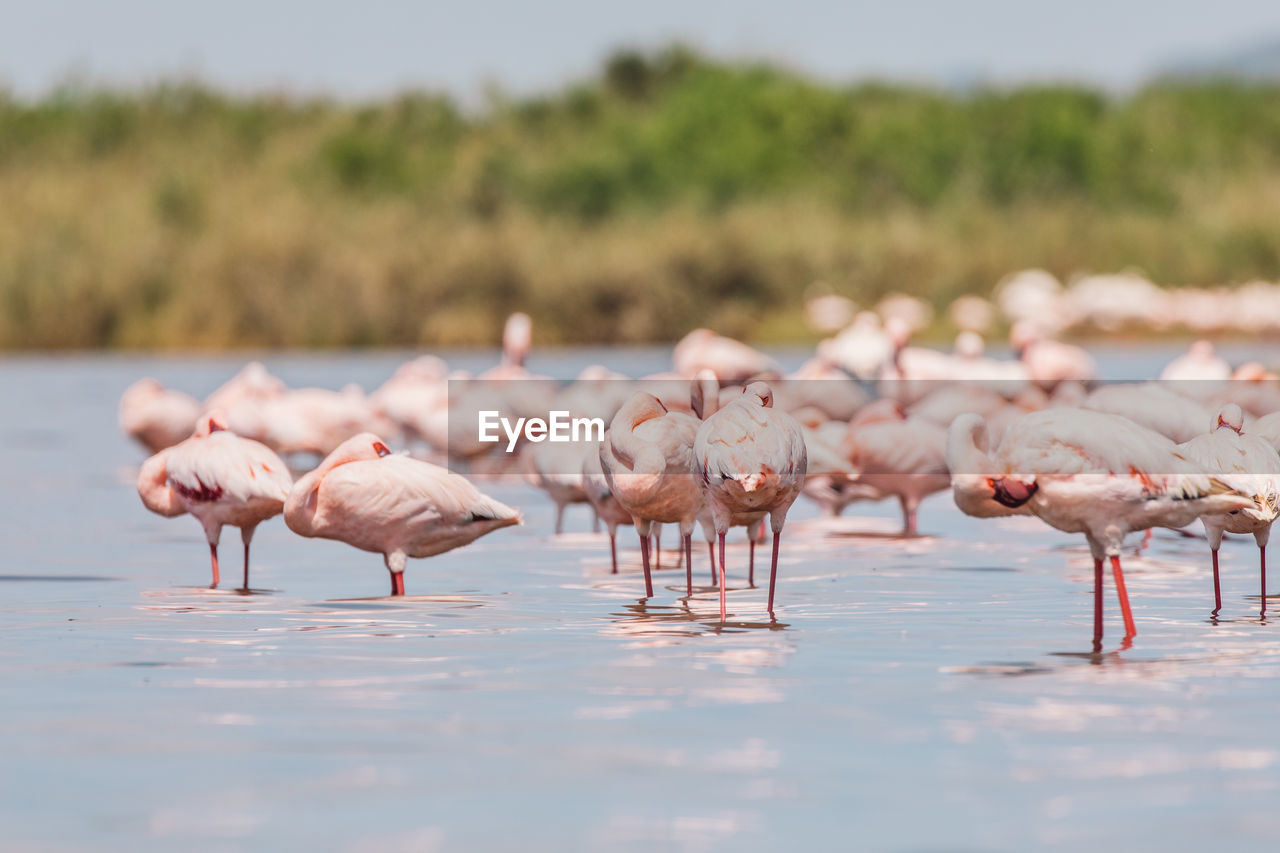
<point>727,439</point>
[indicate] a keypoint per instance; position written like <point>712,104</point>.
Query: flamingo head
<point>359,448</point>
<point>1202,350</point>
<point>761,391</point>
<point>1231,417</point>
<point>969,345</point>
<point>704,395</point>
<point>640,408</point>
<point>517,338</point>
<point>211,422</point>
<point>1023,334</point>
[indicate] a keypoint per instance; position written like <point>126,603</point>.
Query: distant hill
<point>1259,61</point>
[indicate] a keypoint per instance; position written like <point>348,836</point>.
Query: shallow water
<point>934,694</point>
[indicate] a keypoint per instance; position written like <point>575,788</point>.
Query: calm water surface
<point>937,694</point>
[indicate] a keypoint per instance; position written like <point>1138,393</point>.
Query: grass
<point>667,192</point>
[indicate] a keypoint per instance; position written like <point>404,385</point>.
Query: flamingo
<point>411,398</point>
<point>897,456</point>
<point>241,400</point>
<point>557,470</point>
<point>396,506</point>
<point>220,478</point>
<point>607,508</point>
<point>517,339</point>
<point>316,420</point>
<point>1252,465</point>
<point>1048,361</point>
<point>732,361</point>
<point>1083,472</point>
<point>704,397</point>
<point>863,348</point>
<point>155,416</point>
<point>1199,362</point>
<point>1154,406</point>
<point>751,460</point>
<point>646,458</point>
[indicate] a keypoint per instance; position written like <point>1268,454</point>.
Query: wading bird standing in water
<point>1252,466</point>
<point>1083,472</point>
<point>647,455</point>
<point>220,478</point>
<point>396,506</point>
<point>751,460</point>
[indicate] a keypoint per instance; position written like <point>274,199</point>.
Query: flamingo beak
<point>381,449</point>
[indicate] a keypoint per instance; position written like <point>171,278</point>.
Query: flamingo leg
<point>688,562</point>
<point>1262,561</point>
<point>1123,595</point>
<point>722,607</point>
<point>559,518</point>
<point>613,550</point>
<point>1097,600</point>
<point>657,551</point>
<point>1217,588</point>
<point>397,583</point>
<point>711,552</point>
<point>751,561</point>
<point>644,556</point>
<point>773,568</point>
<point>246,565</point>
<point>213,556</point>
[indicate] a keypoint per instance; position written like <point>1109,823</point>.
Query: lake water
<point>937,694</point>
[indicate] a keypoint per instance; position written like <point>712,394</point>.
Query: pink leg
<point>688,562</point>
<point>711,552</point>
<point>644,555</point>
<point>722,607</point>
<point>1097,600</point>
<point>213,555</point>
<point>1217,589</point>
<point>751,561</point>
<point>1262,558</point>
<point>773,569</point>
<point>1123,594</point>
<point>397,583</point>
<point>246,565</point>
<point>613,550</point>
<point>657,553</point>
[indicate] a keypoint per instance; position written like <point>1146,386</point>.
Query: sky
<point>364,49</point>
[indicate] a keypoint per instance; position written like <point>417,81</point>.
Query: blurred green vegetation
<point>667,192</point>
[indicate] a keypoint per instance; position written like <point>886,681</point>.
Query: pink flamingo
<point>607,508</point>
<point>1250,464</point>
<point>517,340</point>
<point>1199,362</point>
<point>220,478</point>
<point>155,416</point>
<point>1154,405</point>
<point>396,506</point>
<point>751,460</point>
<point>1050,361</point>
<point>646,457</point>
<point>897,456</point>
<point>732,361</point>
<point>1083,472</point>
